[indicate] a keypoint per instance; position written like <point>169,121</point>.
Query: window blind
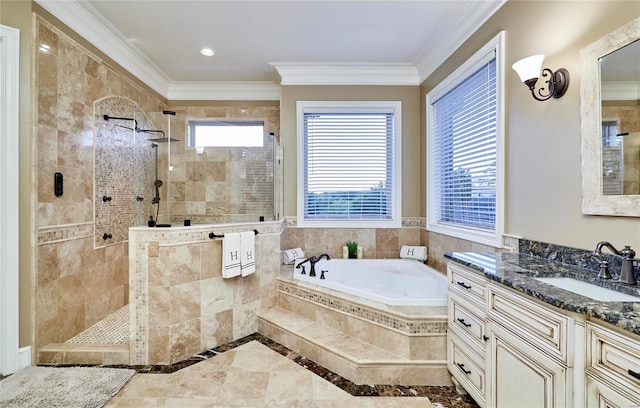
<point>348,165</point>
<point>463,153</point>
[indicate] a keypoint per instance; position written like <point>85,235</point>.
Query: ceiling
<point>267,43</point>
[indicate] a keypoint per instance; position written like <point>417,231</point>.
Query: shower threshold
<point>106,342</point>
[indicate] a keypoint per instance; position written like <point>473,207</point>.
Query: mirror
<point>610,114</point>
<point>619,84</point>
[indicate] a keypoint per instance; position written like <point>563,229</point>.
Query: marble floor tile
<point>251,375</point>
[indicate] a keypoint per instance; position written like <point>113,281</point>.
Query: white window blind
<point>349,164</point>
<point>464,149</point>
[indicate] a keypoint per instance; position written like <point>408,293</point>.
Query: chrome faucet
<point>627,272</point>
<point>312,261</point>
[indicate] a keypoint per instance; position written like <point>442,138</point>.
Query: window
<point>349,164</point>
<point>464,149</point>
<point>226,133</point>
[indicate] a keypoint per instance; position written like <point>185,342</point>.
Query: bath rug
<point>68,387</point>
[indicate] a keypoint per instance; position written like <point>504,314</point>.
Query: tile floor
<point>251,375</point>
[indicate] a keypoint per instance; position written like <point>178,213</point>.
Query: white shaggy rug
<point>68,387</point>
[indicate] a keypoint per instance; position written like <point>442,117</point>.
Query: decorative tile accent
<point>60,233</point>
<point>114,329</point>
<point>397,322</point>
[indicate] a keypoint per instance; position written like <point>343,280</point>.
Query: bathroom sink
<point>589,290</point>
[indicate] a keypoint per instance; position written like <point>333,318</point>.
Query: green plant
<point>352,247</point>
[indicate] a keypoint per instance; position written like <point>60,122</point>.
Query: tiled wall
<point>76,284</point>
<point>124,169</point>
<point>375,242</point>
<point>180,304</point>
<point>378,242</point>
<point>232,184</point>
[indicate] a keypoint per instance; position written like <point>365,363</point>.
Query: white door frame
<point>9,118</point>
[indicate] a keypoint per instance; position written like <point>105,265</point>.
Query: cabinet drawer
<point>600,395</point>
<point>542,327</point>
<point>474,284</point>
<point>468,322</point>
<point>615,356</point>
<point>465,369</point>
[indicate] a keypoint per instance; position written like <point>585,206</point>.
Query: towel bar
<point>212,235</point>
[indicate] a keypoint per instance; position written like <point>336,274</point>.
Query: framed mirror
<point>610,112</point>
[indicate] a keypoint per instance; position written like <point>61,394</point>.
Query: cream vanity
<point>514,341</point>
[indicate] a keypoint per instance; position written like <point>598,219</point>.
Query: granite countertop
<point>518,270</point>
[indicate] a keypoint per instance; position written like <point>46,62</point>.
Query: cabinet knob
<point>106,236</point>
<point>484,336</point>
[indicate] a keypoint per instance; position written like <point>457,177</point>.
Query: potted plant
<point>352,248</point>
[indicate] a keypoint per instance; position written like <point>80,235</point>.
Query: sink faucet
<point>627,271</point>
<point>312,261</point>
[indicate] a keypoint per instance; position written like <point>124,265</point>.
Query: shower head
<point>163,140</point>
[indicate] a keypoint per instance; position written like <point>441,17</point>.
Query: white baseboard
<point>24,357</point>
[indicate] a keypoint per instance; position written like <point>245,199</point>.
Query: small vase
<point>353,256</point>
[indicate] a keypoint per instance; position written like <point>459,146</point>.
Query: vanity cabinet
<point>528,352</point>
<point>612,367</point>
<point>466,334</point>
<point>507,349</point>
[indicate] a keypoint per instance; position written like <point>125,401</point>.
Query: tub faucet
<point>627,271</point>
<point>312,261</point>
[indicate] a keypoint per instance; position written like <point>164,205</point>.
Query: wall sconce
<point>199,149</point>
<point>529,70</point>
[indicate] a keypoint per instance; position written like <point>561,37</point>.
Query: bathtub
<point>395,282</point>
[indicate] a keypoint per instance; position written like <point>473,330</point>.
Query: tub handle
<point>322,274</point>
<point>465,324</point>
<point>463,285</point>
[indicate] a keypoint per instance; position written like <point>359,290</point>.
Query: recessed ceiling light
<point>207,52</point>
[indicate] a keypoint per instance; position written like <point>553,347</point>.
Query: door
<point>9,79</point>
<point>521,376</point>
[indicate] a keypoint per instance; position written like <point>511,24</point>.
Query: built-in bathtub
<point>389,305</point>
<point>393,282</point>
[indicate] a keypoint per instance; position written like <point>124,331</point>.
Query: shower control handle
<point>106,236</point>
<point>106,198</point>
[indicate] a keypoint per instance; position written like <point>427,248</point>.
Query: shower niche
<point>128,167</point>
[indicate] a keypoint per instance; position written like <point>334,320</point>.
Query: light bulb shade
<point>529,68</point>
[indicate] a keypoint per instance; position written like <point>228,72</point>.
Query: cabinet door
<point>601,396</point>
<point>521,376</point>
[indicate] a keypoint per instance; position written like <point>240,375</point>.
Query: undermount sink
<point>589,290</point>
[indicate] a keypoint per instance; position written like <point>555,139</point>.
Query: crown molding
<point>346,73</point>
<point>620,91</point>
<point>473,15</point>
<point>82,18</point>
<point>224,91</point>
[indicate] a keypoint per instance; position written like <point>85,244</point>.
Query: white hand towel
<point>248,252</point>
<point>289,256</point>
<point>231,255</point>
<point>414,252</point>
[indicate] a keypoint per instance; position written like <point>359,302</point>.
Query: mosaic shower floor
<point>113,329</point>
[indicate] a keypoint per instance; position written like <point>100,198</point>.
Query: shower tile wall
<point>223,184</point>
<point>75,283</point>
